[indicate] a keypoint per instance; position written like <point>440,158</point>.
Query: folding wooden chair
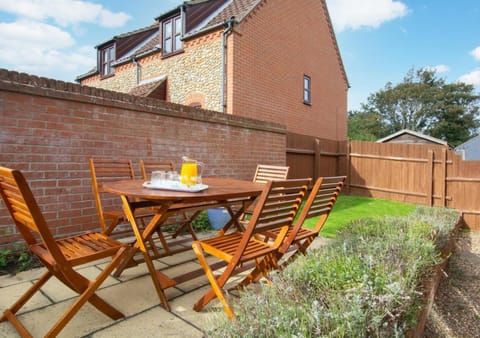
<point>276,209</point>
<point>105,170</point>
<point>263,174</point>
<point>319,203</point>
<point>147,166</point>
<point>59,256</point>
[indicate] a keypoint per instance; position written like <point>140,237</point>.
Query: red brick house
<point>273,60</point>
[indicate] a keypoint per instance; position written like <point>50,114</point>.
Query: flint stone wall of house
<point>192,76</point>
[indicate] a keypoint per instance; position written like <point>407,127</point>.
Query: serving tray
<point>175,186</point>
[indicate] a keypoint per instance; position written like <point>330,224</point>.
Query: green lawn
<point>349,208</point>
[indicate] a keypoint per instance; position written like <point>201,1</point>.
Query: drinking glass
<point>158,177</point>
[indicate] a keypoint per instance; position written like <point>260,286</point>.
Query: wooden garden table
<point>220,192</point>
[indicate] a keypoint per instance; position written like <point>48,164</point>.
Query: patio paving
<point>132,293</point>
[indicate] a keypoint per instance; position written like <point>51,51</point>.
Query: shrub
<point>366,282</point>
<point>201,223</point>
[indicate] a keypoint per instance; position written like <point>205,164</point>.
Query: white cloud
<point>39,48</point>
<point>41,41</point>
<point>355,14</point>
<point>471,78</point>
<point>438,68</point>
<point>111,20</point>
<point>33,34</point>
<point>476,53</point>
<point>65,12</point>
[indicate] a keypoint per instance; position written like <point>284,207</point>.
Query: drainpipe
<point>137,70</point>
<point>182,17</point>
<point>228,29</point>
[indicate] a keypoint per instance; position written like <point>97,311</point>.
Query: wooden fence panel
<point>391,171</point>
<point>463,189</point>
<point>420,174</point>
<point>308,156</point>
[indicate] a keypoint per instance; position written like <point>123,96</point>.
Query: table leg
<point>160,281</point>
<point>234,216</point>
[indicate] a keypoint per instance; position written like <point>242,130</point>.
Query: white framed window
<point>172,35</point>
<point>107,57</point>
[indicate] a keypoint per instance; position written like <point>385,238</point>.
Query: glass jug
<point>191,172</point>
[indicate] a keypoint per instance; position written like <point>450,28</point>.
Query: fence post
<point>348,165</point>
<point>429,177</point>
<point>318,154</point>
<point>443,183</point>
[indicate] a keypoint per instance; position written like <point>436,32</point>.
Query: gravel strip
<point>456,310</point>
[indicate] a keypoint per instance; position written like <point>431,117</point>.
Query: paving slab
<point>132,293</point>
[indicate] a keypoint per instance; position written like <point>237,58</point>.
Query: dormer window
<point>107,57</point>
<point>172,35</point>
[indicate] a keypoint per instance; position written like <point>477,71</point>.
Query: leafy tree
<point>364,126</point>
<point>423,103</point>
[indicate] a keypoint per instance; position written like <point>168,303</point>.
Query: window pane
<point>167,46</point>
<point>178,26</point>
<point>108,57</point>
<point>306,89</point>
<point>178,42</point>
<point>168,29</point>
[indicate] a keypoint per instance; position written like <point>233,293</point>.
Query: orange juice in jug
<point>189,173</point>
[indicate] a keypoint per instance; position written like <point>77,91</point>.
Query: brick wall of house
<point>270,53</point>
<point>196,72</point>
<point>50,128</point>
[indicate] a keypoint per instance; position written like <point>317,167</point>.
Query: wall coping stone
<point>23,83</point>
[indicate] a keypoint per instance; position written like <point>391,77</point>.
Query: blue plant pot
<point>218,217</point>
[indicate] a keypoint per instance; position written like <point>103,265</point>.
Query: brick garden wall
<point>50,128</point>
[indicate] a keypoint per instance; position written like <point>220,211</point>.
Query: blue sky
<point>379,40</point>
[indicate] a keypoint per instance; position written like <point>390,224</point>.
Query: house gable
<point>273,48</point>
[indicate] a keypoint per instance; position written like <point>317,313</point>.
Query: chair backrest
<point>320,202</point>
<point>277,206</point>
<point>265,173</point>
<point>25,212</point>
<point>147,166</point>
<point>107,170</point>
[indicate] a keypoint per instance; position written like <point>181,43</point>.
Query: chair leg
<point>300,250</point>
<point>235,217</point>
<point>25,297</point>
<point>127,262</point>
<point>150,240</point>
<point>216,284</point>
<point>261,269</point>
<point>156,282</point>
<point>187,224</point>
<point>89,295</point>
<point>22,330</point>
<point>108,231</point>
<point>305,244</point>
